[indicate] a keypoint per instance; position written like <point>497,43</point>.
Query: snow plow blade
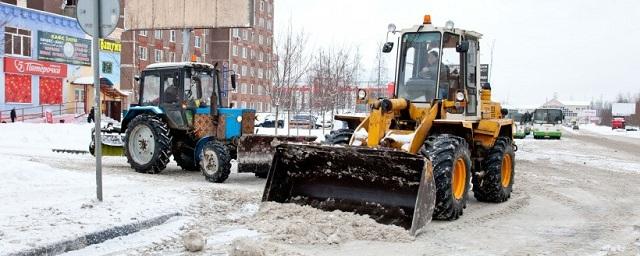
<point>392,187</point>
<point>255,151</point>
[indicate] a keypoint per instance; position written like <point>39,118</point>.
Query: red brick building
<point>248,52</point>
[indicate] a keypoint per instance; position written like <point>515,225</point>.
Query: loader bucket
<point>255,151</point>
<point>392,187</point>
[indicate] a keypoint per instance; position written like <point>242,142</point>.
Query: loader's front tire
<point>215,162</point>
<point>339,137</point>
<point>494,183</point>
<point>451,162</point>
<point>147,144</point>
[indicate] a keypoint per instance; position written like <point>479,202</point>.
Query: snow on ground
<point>570,150</point>
<point>42,204</point>
<point>295,132</point>
<point>606,130</point>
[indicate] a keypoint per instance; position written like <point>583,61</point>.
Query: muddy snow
<point>294,224</point>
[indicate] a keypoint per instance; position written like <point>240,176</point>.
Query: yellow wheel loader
<point>414,156</point>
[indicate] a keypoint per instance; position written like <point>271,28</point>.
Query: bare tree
<point>289,67</point>
<point>380,69</point>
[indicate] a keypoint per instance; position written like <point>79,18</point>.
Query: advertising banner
<point>64,49</point>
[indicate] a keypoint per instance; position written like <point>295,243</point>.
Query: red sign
<point>34,67</point>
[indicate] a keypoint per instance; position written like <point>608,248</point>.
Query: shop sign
<point>34,67</point>
<point>64,49</point>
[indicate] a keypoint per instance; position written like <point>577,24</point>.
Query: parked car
<point>328,123</point>
<point>303,121</point>
<point>270,122</point>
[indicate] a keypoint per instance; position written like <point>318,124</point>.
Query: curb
<point>95,237</point>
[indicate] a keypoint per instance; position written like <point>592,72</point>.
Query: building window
<point>243,88</point>
<point>268,25</point>
<point>244,52</point>
<point>234,67</point>
<point>172,57</point>
<point>172,36</point>
<point>260,56</point>
<point>268,41</point>
<point>260,39</point>
<point>71,2</point>
<point>142,33</point>
<point>252,72</point>
<point>244,70</point>
<point>235,33</point>
<point>259,107</point>
<point>253,54</point>
<point>17,41</point>
<point>244,104</point>
<point>251,89</point>
<point>158,55</point>
<point>197,42</point>
<point>107,67</point>
<point>157,34</point>
<point>234,50</point>
<point>261,6</point>
<point>234,104</point>
<point>260,73</point>
<point>245,35</point>
<point>142,53</point>
<point>78,95</point>
<point>261,23</point>
<point>17,88</point>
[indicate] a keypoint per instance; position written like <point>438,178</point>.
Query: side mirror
<point>463,46</point>
<point>233,81</point>
<point>137,78</point>
<point>387,47</point>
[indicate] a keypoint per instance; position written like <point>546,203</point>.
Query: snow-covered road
<point>574,196</point>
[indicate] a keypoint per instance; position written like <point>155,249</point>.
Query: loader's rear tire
<point>494,183</point>
<point>339,137</point>
<point>451,161</point>
<point>182,151</point>
<point>215,162</point>
<point>147,144</point>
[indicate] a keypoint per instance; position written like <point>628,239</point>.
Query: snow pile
<point>297,224</point>
<point>43,137</point>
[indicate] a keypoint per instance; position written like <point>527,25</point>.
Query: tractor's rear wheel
<point>147,144</point>
<point>339,137</point>
<point>495,182</point>
<point>451,162</point>
<point>215,162</point>
<point>182,150</point>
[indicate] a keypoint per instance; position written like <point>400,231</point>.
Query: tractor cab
<point>179,89</point>
<point>439,63</point>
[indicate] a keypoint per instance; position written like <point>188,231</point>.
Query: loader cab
<point>178,90</point>
<point>439,64</point>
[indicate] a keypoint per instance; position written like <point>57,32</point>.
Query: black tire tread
<point>185,160</point>
<point>443,150</point>
<point>487,186</point>
<point>224,160</point>
<point>339,137</point>
<point>163,140</point>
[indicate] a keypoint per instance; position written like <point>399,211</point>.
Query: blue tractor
<point>180,112</point>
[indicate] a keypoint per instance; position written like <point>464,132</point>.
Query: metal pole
<point>96,86</point>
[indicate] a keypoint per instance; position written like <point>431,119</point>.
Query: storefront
<point>41,54</point>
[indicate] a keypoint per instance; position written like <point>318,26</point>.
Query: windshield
<point>547,116</point>
<point>198,86</point>
<point>419,66</point>
<point>517,117</point>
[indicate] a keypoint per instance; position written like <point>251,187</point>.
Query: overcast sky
<point>579,49</point>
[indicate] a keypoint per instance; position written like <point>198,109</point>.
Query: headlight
<point>239,119</point>
<point>459,96</point>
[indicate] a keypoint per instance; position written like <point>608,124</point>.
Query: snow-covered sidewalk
<point>42,205</point>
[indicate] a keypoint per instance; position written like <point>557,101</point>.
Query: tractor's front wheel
<point>451,162</point>
<point>147,144</point>
<point>215,162</point>
<point>494,183</point>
